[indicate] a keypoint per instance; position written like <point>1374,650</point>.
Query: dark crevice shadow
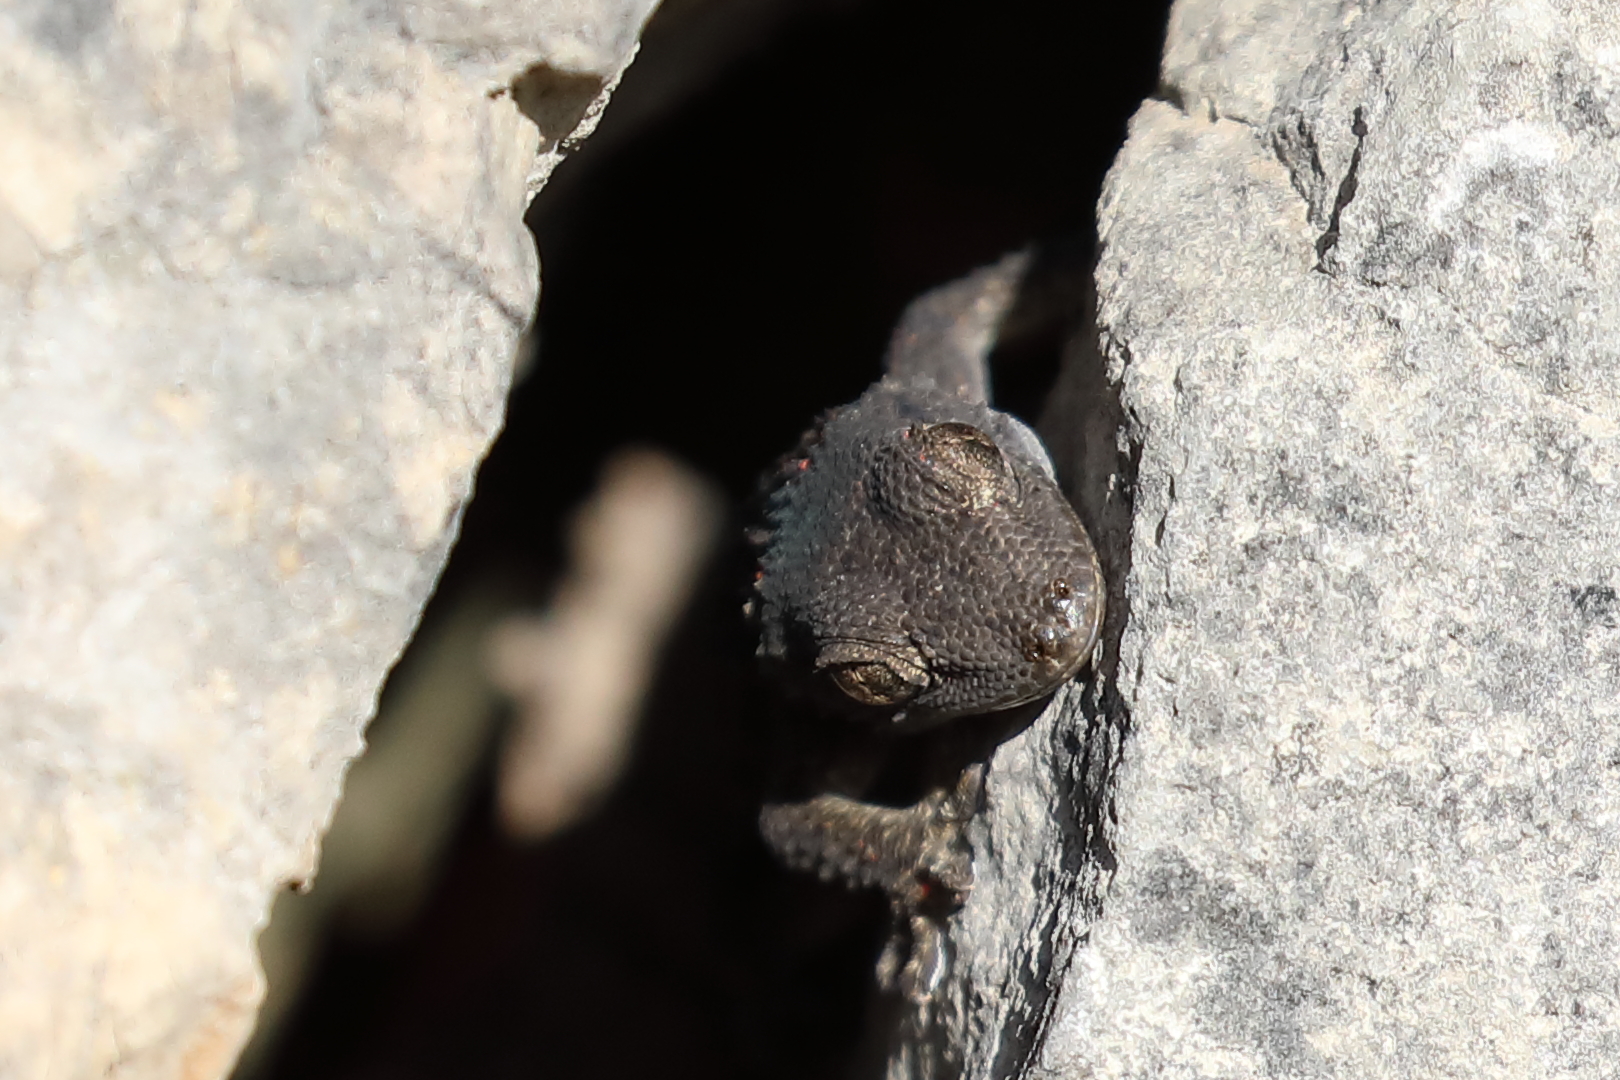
<point>1346,192</point>
<point>1034,334</point>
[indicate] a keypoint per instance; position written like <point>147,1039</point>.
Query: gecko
<point>917,567</point>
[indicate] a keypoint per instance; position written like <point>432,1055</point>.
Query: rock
<point>577,674</point>
<point>262,276</point>
<point>1359,283</point>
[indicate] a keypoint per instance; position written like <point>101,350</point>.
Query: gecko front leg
<point>918,855</point>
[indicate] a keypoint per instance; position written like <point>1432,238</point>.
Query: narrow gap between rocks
<point>722,260</point>
<point>1347,191</point>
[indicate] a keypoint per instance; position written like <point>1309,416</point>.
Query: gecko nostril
<point>1063,605</point>
<point>1052,647</point>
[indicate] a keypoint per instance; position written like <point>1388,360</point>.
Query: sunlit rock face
<point>262,276</point>
<point>1360,285</point>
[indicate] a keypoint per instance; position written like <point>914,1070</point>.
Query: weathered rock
<point>262,275</point>
<point>1360,284</point>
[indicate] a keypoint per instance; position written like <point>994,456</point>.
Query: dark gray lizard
<point>917,564</point>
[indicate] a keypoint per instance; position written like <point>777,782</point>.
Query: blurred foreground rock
<point>262,276</point>
<point>578,672</point>
<point>1360,281</point>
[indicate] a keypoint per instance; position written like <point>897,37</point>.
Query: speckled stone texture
<point>262,276</point>
<point>1360,285</point>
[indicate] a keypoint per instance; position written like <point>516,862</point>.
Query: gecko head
<point>916,571</point>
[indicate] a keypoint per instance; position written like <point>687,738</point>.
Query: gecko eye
<point>874,674</point>
<point>965,463</point>
<point>873,684</point>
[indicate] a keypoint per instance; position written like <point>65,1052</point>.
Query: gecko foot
<point>917,854</point>
<point>914,959</point>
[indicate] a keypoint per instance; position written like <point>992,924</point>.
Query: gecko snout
<point>1057,642</point>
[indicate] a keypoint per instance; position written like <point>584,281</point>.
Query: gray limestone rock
<point>262,276</point>
<point>1360,286</point>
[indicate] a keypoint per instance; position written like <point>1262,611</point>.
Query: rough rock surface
<point>1360,284</point>
<point>262,275</point>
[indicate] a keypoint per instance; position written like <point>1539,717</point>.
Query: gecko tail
<point>946,336</point>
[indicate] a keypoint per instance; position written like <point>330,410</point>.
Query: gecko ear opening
<point>874,674</point>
